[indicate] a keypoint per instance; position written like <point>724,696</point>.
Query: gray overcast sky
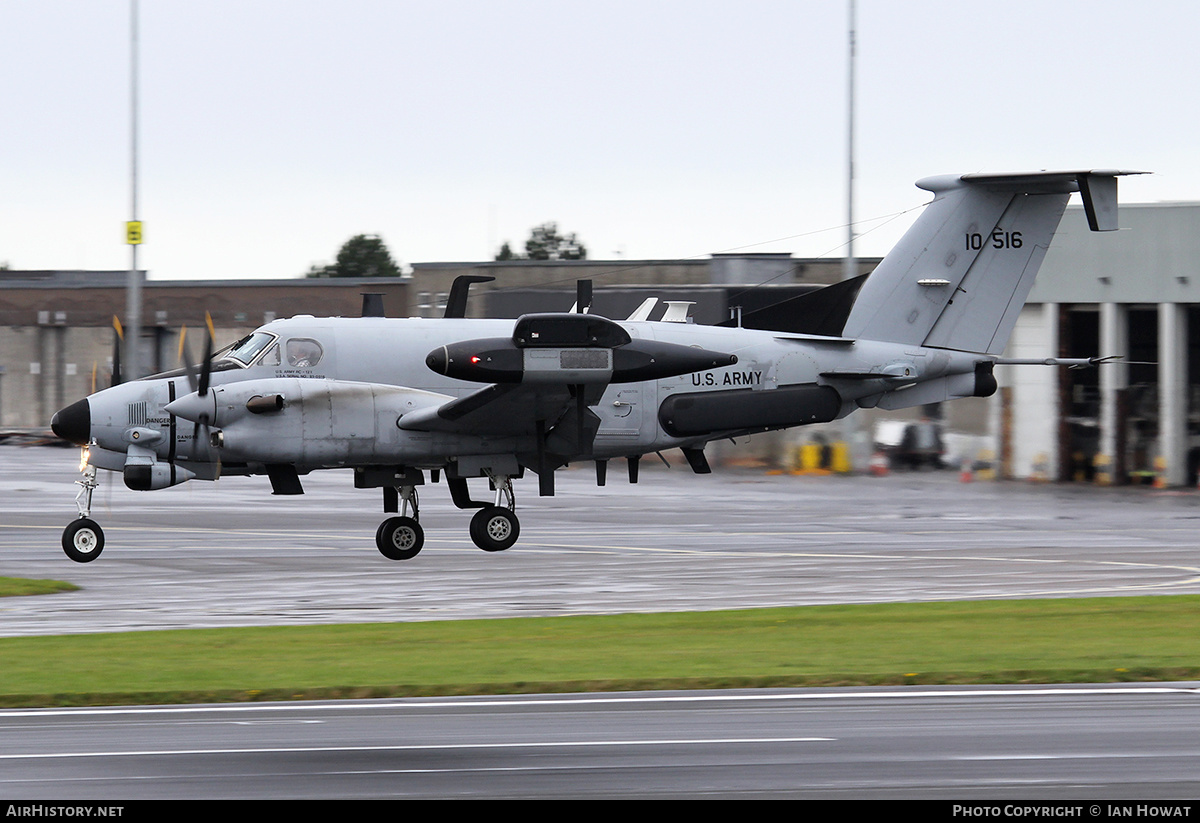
<point>273,130</point>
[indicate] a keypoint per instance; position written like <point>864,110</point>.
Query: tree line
<point>366,255</point>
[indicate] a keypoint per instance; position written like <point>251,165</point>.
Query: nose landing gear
<point>83,539</point>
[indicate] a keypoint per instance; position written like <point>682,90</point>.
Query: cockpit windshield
<point>246,350</point>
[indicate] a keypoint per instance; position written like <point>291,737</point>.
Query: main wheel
<point>494,528</point>
<point>399,538</point>
<point>83,540</point>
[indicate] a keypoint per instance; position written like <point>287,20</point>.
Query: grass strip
<point>20,586</point>
<point>1067,640</point>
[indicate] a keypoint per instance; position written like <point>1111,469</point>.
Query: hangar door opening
<point>1079,394</point>
<point>1142,410</point>
<point>1138,418</point>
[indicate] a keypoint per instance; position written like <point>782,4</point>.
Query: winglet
<point>1099,194</point>
<point>456,304</point>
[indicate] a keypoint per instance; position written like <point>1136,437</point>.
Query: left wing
<point>544,379</point>
<point>501,409</point>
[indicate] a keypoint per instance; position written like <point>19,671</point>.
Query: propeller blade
<point>206,365</point>
<point>118,339</point>
<point>202,449</point>
<point>185,359</point>
<point>205,371</point>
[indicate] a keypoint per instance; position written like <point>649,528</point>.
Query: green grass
<point>1069,640</point>
<point>18,586</point>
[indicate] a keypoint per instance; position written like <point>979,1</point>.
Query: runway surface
<point>1077,743</point>
<point>229,553</point>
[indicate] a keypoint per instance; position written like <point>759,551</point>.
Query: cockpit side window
<point>271,358</point>
<point>303,352</point>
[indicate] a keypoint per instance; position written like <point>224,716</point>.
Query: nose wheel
<point>83,540</point>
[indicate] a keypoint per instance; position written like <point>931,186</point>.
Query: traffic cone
<point>879,465</point>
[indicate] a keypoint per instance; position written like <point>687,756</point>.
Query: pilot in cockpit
<point>303,353</point>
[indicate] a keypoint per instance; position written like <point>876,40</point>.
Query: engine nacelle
<point>303,421</point>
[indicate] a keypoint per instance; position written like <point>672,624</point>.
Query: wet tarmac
<point>229,553</point>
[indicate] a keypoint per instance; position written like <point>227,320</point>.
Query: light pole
<point>855,439</point>
<point>133,229</point>
<point>850,265</point>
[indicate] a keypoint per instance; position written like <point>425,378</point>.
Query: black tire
<point>83,540</point>
<point>494,528</point>
<point>399,538</point>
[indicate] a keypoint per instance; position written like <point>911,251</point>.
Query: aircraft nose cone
<point>74,423</point>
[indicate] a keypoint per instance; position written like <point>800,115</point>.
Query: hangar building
<point>1132,294</point>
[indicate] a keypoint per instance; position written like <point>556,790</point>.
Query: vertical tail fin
<point>959,277</point>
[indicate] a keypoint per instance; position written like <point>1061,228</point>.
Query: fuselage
<point>343,387</point>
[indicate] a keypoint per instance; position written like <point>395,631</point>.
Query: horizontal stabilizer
<point>1097,187</point>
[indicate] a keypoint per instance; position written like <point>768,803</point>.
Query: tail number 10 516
<point>998,239</point>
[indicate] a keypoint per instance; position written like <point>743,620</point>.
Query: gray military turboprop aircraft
<point>391,399</point>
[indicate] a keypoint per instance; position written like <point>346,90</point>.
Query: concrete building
<point>56,327</point>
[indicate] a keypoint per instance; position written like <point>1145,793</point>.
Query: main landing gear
<point>83,539</point>
<point>494,527</point>
<point>401,538</point>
